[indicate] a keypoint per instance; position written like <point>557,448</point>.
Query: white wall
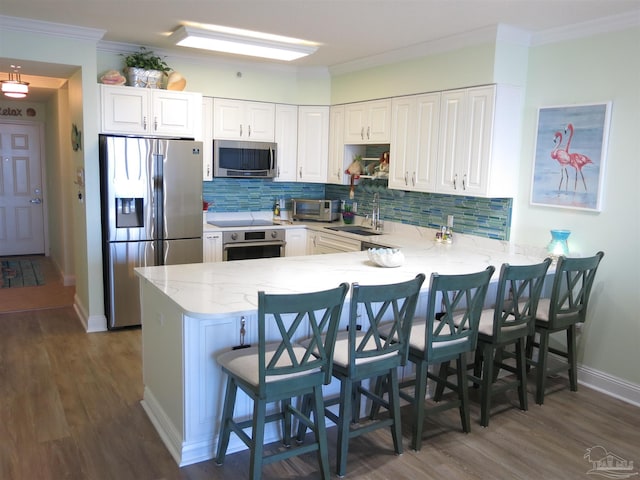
<point>598,69</point>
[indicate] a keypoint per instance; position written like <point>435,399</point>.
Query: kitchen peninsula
<point>191,313</point>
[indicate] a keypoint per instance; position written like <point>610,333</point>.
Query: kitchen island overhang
<point>191,313</point>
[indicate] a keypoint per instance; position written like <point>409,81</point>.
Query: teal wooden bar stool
<point>362,353</point>
<point>566,307</point>
<point>448,333</point>
<point>509,322</point>
<point>281,370</point>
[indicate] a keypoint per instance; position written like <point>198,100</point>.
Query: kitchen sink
<point>354,229</point>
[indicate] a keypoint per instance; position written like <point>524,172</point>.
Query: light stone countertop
<point>210,290</point>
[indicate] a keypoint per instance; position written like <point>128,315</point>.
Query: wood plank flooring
<point>52,294</point>
<point>70,409</point>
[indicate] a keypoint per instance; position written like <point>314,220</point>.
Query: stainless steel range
<point>245,243</point>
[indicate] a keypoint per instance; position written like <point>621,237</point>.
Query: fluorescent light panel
<point>239,44</point>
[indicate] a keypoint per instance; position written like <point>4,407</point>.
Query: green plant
<point>146,59</point>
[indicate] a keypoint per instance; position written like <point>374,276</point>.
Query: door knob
<point>36,201</point>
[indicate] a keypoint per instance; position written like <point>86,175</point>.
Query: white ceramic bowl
<point>386,257</point>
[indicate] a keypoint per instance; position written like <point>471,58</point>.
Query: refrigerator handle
<point>158,206</point>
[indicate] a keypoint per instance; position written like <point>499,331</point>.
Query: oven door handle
<point>279,243</point>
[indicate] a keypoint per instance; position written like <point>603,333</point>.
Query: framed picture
<point>570,154</point>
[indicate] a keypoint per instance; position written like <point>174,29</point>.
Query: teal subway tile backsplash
<point>483,217</point>
<point>254,194</point>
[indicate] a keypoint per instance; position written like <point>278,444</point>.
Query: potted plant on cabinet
<point>145,69</point>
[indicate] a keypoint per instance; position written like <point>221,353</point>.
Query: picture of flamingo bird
<point>562,157</point>
<point>565,158</point>
<point>574,138</point>
<point>576,160</point>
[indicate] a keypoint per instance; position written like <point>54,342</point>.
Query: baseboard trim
<point>91,323</point>
<point>609,385</point>
<point>165,428</point>
<point>604,382</point>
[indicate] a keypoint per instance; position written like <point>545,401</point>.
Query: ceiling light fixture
<point>15,87</point>
<point>242,42</point>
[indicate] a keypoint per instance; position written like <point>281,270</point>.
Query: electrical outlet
<point>449,221</point>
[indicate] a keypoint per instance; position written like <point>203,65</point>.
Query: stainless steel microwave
<point>319,210</point>
<point>232,158</point>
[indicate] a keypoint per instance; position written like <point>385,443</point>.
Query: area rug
<point>21,273</point>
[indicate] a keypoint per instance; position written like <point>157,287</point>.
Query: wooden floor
<point>70,409</point>
<point>52,294</point>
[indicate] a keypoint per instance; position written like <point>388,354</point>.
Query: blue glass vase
<point>558,244</point>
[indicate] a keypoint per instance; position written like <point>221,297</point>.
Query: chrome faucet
<point>376,223</point>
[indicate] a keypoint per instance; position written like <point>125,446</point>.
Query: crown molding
<point>49,28</point>
<point>502,32</point>
<point>424,49</point>
<point>613,23</point>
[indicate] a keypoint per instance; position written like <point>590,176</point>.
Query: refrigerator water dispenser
<point>129,212</point>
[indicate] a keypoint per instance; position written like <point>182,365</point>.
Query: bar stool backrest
<point>461,299</point>
<point>295,316</point>
<point>517,298</point>
<point>571,290</point>
<point>391,307</point>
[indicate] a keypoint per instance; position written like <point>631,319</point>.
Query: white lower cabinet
<point>212,247</point>
<point>296,239</point>
<point>322,242</point>
<point>204,385</point>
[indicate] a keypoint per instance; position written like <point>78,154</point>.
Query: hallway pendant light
<point>242,42</point>
<point>15,87</point>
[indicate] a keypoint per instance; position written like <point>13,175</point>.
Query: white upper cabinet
<point>207,138</point>
<point>241,120</point>
<point>335,172</point>
<point>479,142</point>
<point>367,122</point>
<point>286,135</point>
<point>313,144</point>
<point>150,111</point>
<point>414,142</point>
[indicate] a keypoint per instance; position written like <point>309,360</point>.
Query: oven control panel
<point>241,236</point>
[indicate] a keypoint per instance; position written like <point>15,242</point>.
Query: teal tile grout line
<point>483,217</point>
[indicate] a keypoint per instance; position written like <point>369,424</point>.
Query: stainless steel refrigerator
<point>151,191</point>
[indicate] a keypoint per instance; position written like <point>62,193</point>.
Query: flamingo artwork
<point>576,160</point>
<point>560,155</point>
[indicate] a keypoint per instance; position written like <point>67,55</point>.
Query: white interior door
<point>21,209</point>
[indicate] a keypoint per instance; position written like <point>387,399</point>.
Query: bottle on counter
<point>448,235</point>
<point>276,210</point>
